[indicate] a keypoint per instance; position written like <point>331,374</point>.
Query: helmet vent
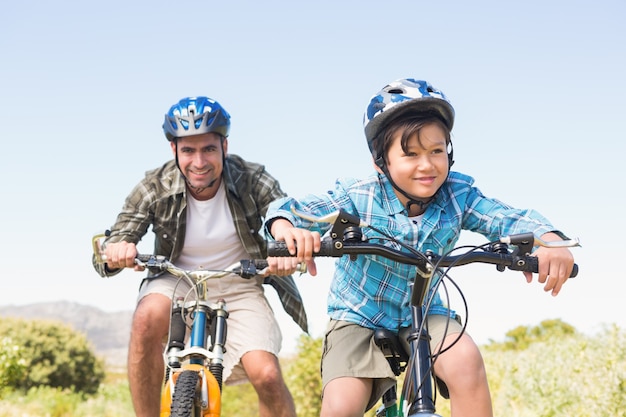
<point>396,91</point>
<point>195,116</point>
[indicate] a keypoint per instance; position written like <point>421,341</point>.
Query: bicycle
<point>192,382</point>
<point>420,383</point>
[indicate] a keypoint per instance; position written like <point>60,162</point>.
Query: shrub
<point>12,367</point>
<point>303,377</point>
<point>52,354</point>
<point>568,376</point>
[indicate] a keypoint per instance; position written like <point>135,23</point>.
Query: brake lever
<point>341,221</point>
<point>338,215</point>
<point>97,248</point>
<point>526,241</point>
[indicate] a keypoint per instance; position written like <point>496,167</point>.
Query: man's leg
<point>264,373</point>
<point>145,353</point>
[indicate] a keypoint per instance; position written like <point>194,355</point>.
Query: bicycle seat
<point>389,344</point>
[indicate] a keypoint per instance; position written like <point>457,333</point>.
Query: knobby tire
<point>184,398</point>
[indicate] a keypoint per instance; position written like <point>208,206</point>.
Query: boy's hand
<point>555,265</point>
<point>300,242</point>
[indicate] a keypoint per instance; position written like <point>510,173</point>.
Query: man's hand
<point>121,255</point>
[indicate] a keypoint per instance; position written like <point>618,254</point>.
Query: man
<point>206,208</point>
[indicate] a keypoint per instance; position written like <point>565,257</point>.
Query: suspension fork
<point>218,340</point>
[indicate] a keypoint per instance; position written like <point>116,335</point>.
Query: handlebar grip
<point>279,249</point>
<point>532,265</point>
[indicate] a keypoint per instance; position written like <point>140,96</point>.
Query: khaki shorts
<point>251,322</point>
<point>350,351</point>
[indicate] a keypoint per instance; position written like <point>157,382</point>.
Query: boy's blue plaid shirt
<point>373,291</point>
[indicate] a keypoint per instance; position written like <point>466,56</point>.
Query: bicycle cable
<point>441,276</point>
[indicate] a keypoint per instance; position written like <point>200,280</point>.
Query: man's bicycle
<point>194,352</point>
<point>420,384</point>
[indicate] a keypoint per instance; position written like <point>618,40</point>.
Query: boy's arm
<point>495,219</point>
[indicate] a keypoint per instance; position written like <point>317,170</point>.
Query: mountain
<point>108,332</point>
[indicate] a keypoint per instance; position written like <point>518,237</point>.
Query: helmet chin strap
<point>411,200</point>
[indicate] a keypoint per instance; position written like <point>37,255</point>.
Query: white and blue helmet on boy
<point>404,97</point>
<point>400,98</point>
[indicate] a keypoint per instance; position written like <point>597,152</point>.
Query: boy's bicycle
<point>195,348</point>
<point>419,388</point>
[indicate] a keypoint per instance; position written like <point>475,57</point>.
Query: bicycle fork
<point>207,322</point>
<point>418,385</point>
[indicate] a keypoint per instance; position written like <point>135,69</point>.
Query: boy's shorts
<point>350,351</point>
<point>251,323</point>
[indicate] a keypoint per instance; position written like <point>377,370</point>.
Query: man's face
<point>200,159</point>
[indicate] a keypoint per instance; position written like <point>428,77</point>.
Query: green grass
<point>111,400</point>
<point>567,376</point>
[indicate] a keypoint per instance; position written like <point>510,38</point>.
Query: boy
<point>414,197</point>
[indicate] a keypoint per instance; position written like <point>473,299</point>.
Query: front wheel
<point>185,401</point>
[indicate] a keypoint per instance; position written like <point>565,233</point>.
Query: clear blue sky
<point>538,89</point>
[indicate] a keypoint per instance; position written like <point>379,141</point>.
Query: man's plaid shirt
<point>159,200</point>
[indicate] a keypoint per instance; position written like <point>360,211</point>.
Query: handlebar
<point>245,268</point>
<point>345,239</point>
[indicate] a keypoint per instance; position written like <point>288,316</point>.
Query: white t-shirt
<point>417,220</point>
<point>212,243</point>
<point>211,240</point>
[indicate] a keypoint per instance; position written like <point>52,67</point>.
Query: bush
<point>573,376</point>
<point>303,377</point>
<point>12,367</point>
<point>51,354</point>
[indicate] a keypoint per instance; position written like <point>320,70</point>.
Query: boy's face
<point>424,167</point>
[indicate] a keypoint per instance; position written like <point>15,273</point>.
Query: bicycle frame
<point>204,390</point>
<point>345,238</point>
<point>193,378</point>
<point>417,391</point>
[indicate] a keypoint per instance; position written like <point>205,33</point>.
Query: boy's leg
<point>346,397</point>
<point>355,372</point>
<point>461,368</point>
